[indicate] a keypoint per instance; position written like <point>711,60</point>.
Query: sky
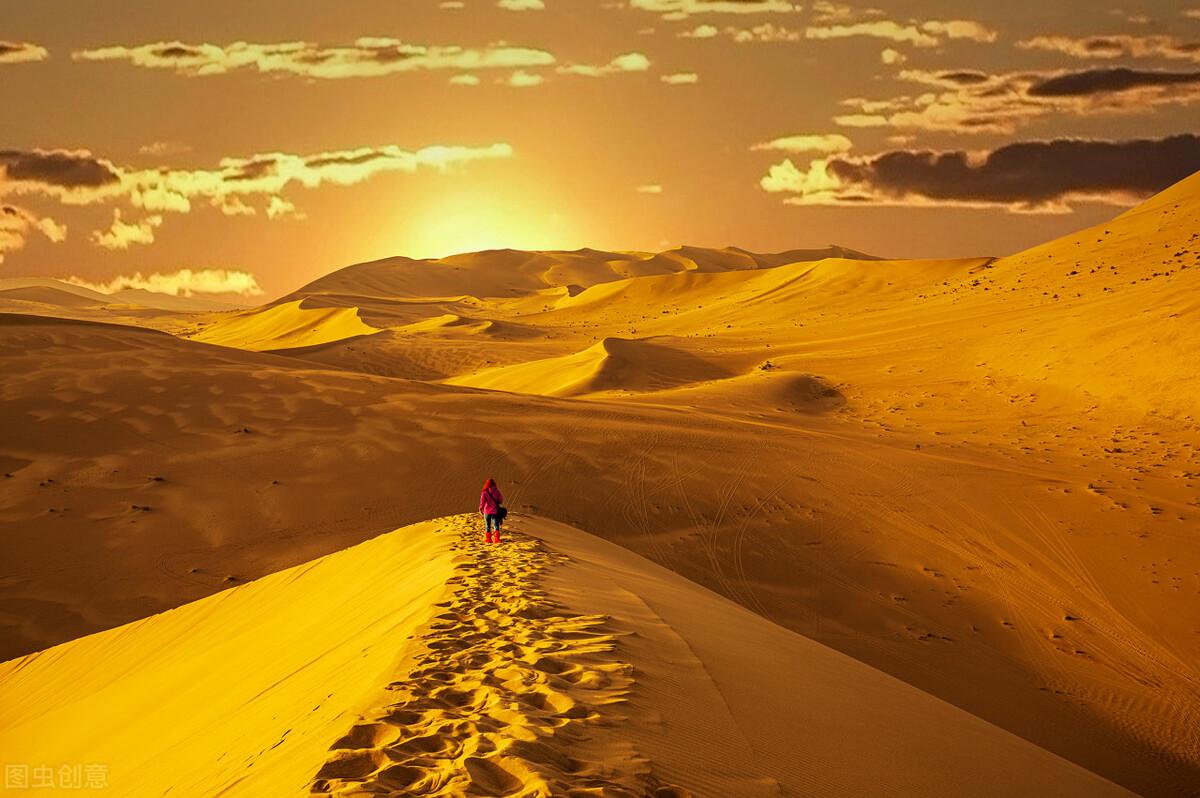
<point>245,149</point>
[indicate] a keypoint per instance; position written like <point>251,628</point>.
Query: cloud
<point>522,79</point>
<point>822,143</point>
<point>649,188</point>
<point>881,29</point>
<point>279,208</point>
<point>233,206</point>
<point>680,78</point>
<point>367,57</point>
<point>121,234</point>
<point>765,32</point>
<point>21,53</point>
<point>465,79</point>
<point>825,11</point>
<point>892,57</point>
<point>844,23</point>
<point>1118,46</point>
<point>679,9</point>
<point>967,29</point>
<point>76,177</point>
<point>968,101</point>
<point>918,34</point>
<point>626,62</point>
<point>16,224</point>
<point>62,174</point>
<point>163,148</point>
<point>1031,177</point>
<point>522,5</point>
<point>184,282</point>
<point>1104,81</point>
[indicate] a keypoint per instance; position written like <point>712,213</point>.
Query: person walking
<point>491,505</point>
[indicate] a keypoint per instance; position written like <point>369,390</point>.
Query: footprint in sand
<point>503,686</point>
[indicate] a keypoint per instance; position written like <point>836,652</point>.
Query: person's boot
<point>497,535</point>
<point>489,536</point>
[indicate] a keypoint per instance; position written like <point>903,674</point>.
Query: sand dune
<point>421,662</point>
<point>613,364</point>
<point>978,475</point>
<point>45,296</point>
<point>287,326</point>
<point>504,273</point>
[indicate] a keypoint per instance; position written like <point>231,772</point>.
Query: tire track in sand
<point>509,694</point>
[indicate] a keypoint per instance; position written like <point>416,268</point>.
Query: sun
<point>470,221</point>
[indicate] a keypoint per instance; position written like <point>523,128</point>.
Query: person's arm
<point>481,502</point>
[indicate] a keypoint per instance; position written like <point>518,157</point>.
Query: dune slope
<point>612,364</point>
<point>423,662</point>
<point>287,326</point>
<point>238,693</point>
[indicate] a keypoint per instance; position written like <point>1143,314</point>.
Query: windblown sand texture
<point>429,664</point>
<point>971,483</point>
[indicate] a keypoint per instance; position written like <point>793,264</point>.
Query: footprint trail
<point>507,694</point>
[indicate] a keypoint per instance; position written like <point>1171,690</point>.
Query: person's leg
<point>489,519</point>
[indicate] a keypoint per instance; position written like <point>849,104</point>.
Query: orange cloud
<point>1119,46</point>
<point>16,224</point>
<point>21,53</point>
<point>185,282</point>
<point>678,9</point>
<point>843,23</point>
<point>76,177</point>
<point>822,143</point>
<point>681,79</point>
<point>918,34</point>
<point>121,234</point>
<point>969,101</point>
<point>1025,177</point>
<point>626,62</point>
<point>367,57</point>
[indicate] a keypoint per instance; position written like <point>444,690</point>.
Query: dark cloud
<point>1106,81</point>
<point>61,168</point>
<point>974,102</point>
<point>965,77</point>
<point>177,51</point>
<point>1027,173</point>
<point>253,169</point>
<point>18,52</point>
<point>344,159</point>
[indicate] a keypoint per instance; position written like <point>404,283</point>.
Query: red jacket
<point>490,500</point>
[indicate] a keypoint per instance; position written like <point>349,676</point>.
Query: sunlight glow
<point>470,221</point>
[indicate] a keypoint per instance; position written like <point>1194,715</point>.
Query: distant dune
<point>977,476</point>
<point>613,364</point>
<point>287,326</point>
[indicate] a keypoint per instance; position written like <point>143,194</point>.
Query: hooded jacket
<point>490,499</point>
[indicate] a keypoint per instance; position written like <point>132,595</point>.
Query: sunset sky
<point>260,145</point>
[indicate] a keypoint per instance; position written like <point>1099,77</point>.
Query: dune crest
<point>424,662</point>
<point>287,326</point>
<point>612,364</point>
